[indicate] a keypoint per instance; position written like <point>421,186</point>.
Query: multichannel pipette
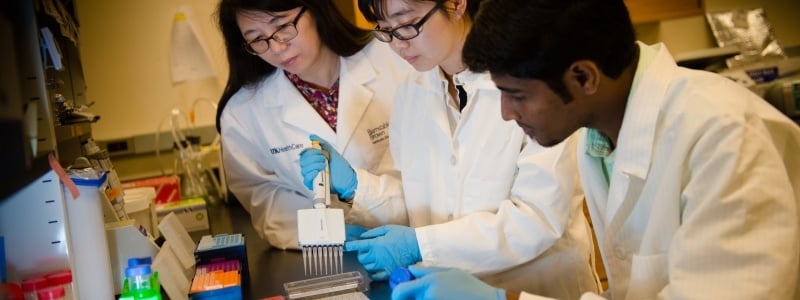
<point>321,229</point>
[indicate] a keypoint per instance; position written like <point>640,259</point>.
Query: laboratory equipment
<point>196,179</point>
<point>63,279</point>
<point>51,293</point>
<point>30,286</point>
<point>90,256</point>
<point>140,206</point>
<point>217,280</point>
<point>44,244</point>
<point>175,260</point>
<point>784,94</point>
<point>138,277</point>
<point>321,237</point>
<point>320,230</point>
<point>141,283</point>
<point>322,182</point>
<point>223,247</point>
<point>126,240</point>
<point>100,161</point>
<point>191,212</point>
<point>350,285</point>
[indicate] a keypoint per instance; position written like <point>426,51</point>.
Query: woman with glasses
<point>480,195</point>
<point>297,68</point>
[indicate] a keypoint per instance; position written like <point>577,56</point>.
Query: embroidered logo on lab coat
<point>379,133</point>
<point>285,148</point>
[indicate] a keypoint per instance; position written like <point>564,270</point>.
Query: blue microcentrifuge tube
<point>399,276</point>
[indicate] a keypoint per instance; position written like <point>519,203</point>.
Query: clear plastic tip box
<point>350,285</point>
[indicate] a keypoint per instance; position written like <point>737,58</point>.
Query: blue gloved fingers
<point>370,260</point>
<point>353,232</point>
<point>373,269</point>
<point>311,162</point>
<point>437,283</point>
<point>392,245</point>
<point>414,289</point>
<point>419,271</point>
<point>343,178</point>
<point>367,259</point>
<point>376,232</point>
<point>310,151</point>
<point>379,276</point>
<point>359,245</point>
<point>309,172</point>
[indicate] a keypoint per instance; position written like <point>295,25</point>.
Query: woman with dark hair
<point>480,196</point>
<point>299,68</point>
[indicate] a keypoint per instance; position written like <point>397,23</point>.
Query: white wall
<point>125,52</point>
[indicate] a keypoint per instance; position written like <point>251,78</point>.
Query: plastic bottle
<point>51,293</point>
<point>89,251</point>
<point>138,278</point>
<point>63,279</point>
<point>12,291</point>
<point>140,282</point>
<point>135,261</point>
<point>31,285</point>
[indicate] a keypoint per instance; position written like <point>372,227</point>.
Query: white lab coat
<point>703,196</point>
<point>482,196</point>
<point>264,129</point>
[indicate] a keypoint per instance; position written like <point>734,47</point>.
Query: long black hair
<point>336,32</point>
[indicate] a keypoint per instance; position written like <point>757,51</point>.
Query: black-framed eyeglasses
<point>283,34</point>
<point>404,32</point>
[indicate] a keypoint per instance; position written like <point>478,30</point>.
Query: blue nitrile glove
<point>385,248</point>
<point>343,177</point>
<point>440,283</point>
<point>353,232</point>
<point>311,163</point>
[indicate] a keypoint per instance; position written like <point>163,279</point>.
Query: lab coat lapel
<point>594,186</point>
<point>354,96</point>
<point>297,112</point>
<point>636,140</point>
<point>431,85</point>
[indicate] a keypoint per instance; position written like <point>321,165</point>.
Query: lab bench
<point>270,267</point>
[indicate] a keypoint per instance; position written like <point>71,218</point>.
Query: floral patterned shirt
<point>324,101</point>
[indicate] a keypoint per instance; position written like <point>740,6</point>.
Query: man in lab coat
<point>691,180</point>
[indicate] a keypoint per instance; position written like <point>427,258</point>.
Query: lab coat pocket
<point>648,276</point>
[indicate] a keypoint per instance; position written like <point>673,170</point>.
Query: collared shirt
<point>599,146</point>
<point>324,101</point>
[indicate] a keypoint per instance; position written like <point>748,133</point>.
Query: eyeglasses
<point>283,34</point>
<point>404,32</point>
